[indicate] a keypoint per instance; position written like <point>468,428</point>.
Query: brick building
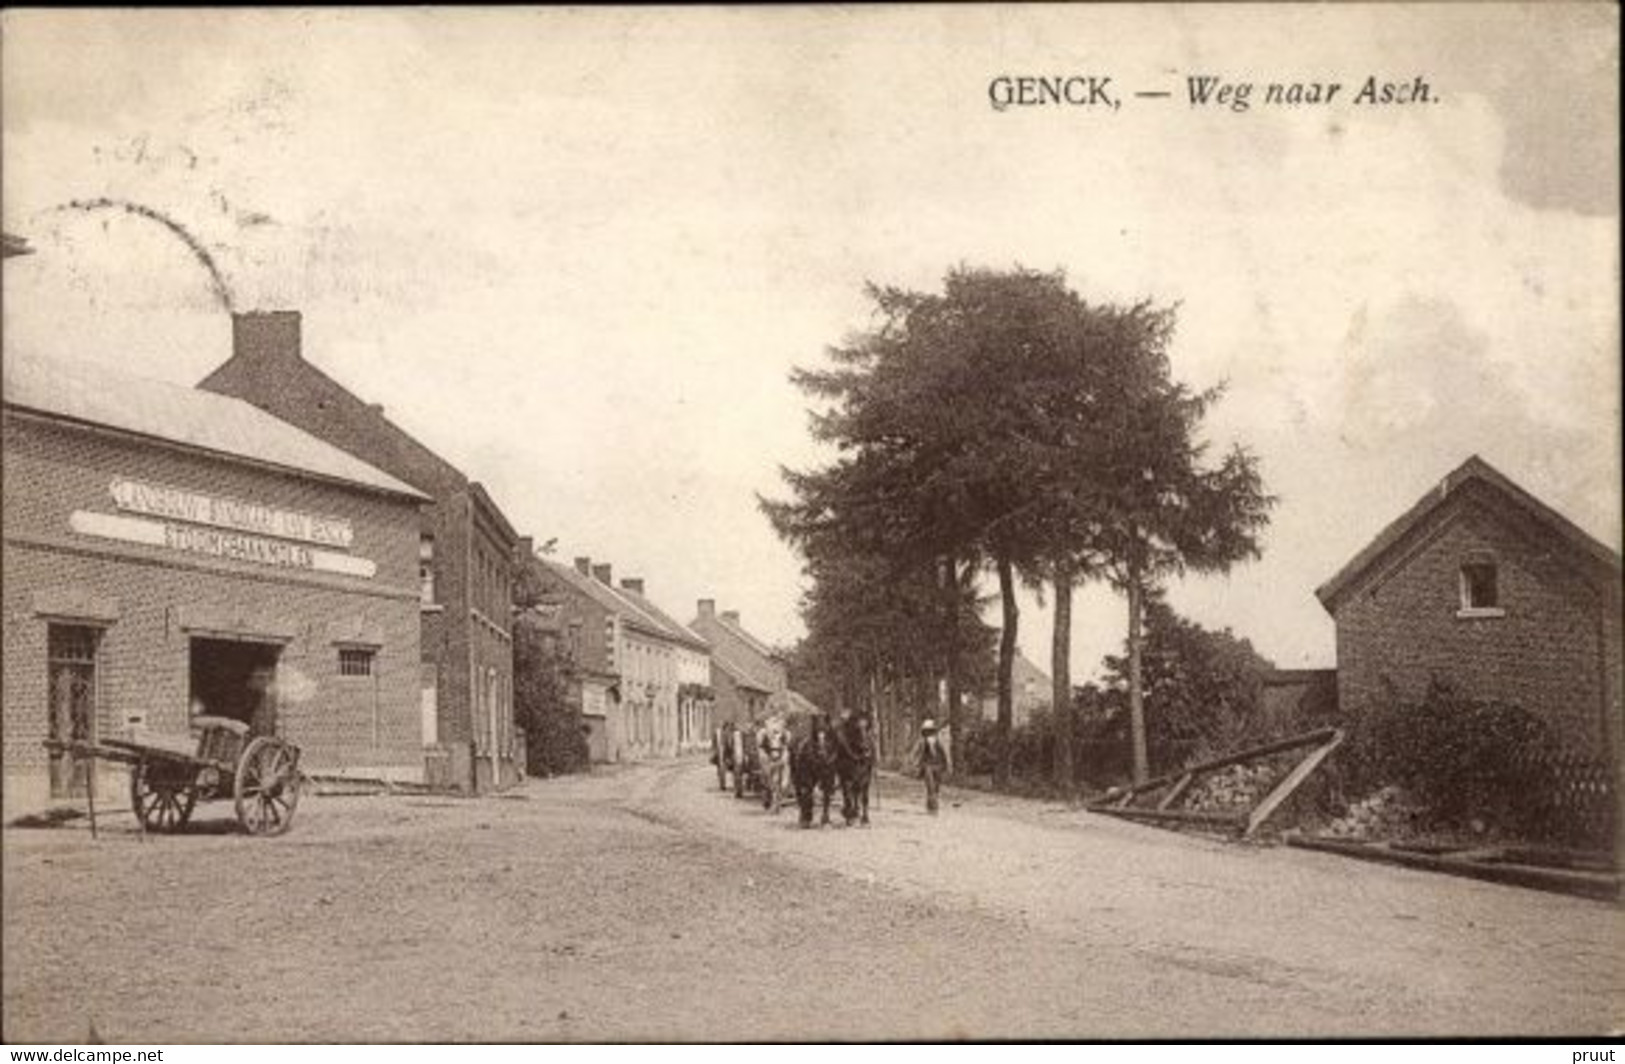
<point>170,553</point>
<point>1482,585</point>
<point>465,547</point>
<point>654,707</point>
<point>751,681</point>
<point>691,656</point>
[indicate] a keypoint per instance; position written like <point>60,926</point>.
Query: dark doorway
<point>237,680</point>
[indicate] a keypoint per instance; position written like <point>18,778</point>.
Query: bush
<point>1100,752</point>
<point>1461,760</point>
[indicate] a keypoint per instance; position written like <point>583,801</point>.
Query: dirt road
<point>643,904</point>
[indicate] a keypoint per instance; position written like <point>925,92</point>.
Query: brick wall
<point>734,702</point>
<point>1550,653</point>
<point>739,705</point>
<point>268,370</point>
<point>160,599</point>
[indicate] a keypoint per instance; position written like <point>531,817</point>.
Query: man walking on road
<point>932,758</point>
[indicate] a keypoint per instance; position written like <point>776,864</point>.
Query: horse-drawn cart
<point>259,773</point>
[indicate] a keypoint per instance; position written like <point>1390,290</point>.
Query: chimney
<point>708,607</point>
<point>262,336</point>
<point>633,584</point>
<point>731,616</point>
<point>584,566</point>
<point>602,574</point>
<point>526,548</point>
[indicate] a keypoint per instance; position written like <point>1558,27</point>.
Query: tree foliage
<point>555,741</point>
<point>1007,423</point>
<point>1203,688</point>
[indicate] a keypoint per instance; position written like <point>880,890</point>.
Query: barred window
<point>356,661</point>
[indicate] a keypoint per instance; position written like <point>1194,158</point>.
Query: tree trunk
<point>1007,662</point>
<point>1136,697</point>
<point>876,710</point>
<point>951,579</point>
<point>1061,669</point>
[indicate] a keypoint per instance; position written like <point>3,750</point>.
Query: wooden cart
<point>259,773</point>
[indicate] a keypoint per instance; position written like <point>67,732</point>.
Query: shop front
<point>171,554</point>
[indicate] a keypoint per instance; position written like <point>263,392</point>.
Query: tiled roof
<point>186,416</point>
<point>749,640</point>
<point>677,631</point>
<point>746,655</point>
<point>739,674</point>
<point>1474,470</point>
<point>633,609</point>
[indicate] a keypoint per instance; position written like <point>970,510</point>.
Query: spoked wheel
<point>161,797</point>
<point>267,786</point>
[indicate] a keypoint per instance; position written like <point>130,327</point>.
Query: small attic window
<point>1480,589</point>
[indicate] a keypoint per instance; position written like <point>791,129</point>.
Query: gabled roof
<point>633,609</point>
<point>736,672</point>
<point>601,593</point>
<point>1474,471</point>
<point>745,655</point>
<point>259,371</point>
<point>738,631</point>
<point>676,631</point>
<point>261,381</point>
<point>204,421</point>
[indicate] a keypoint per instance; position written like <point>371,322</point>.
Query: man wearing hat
<point>932,757</point>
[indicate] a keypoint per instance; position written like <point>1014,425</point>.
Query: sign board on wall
<point>218,511</point>
<point>217,542</point>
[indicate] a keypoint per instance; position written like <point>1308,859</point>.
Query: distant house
<point>1482,585</point>
<point>1030,691</point>
<point>695,698</point>
<point>751,680</point>
<point>654,704</point>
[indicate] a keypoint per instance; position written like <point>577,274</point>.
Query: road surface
<point>643,904</point>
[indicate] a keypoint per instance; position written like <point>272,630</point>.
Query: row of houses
<point>270,547</point>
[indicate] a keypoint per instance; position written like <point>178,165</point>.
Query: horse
<point>855,766</point>
<point>812,767</point>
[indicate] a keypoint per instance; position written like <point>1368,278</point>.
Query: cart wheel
<point>267,787</point>
<point>161,802</point>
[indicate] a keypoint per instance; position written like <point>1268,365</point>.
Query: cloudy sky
<point>578,252</point>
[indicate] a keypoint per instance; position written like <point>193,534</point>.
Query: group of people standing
<point>761,758</point>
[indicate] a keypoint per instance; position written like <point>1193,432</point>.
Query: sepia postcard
<point>797,524</point>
